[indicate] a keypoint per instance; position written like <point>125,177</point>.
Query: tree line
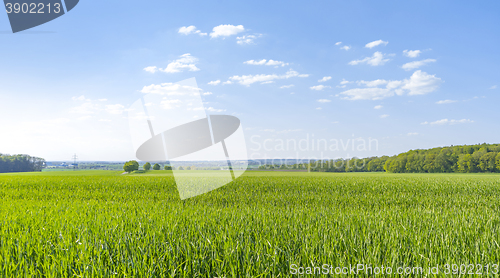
<point>481,158</point>
<point>20,163</point>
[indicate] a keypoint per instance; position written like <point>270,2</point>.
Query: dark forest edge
<point>20,163</point>
<point>483,158</point>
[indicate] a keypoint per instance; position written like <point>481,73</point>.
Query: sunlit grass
<point>102,223</point>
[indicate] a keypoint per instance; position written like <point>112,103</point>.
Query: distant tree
<point>188,168</point>
<point>498,161</point>
<point>487,162</point>
<point>156,166</point>
<point>180,168</point>
<point>147,166</point>
<point>131,166</point>
<point>168,167</point>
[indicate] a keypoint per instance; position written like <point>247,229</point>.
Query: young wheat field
<point>103,224</point>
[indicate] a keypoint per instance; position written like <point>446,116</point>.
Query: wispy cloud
<point>265,62</point>
<point>323,100</point>
<point>345,47</point>
<point>378,107</point>
<point>376,43</point>
<point>324,79</point>
<point>250,79</point>
<point>185,62</point>
<point>378,59</point>
<point>226,30</point>
<point>493,87</point>
<point>419,83</point>
<point>247,39</point>
<point>411,53</point>
<point>319,87</point>
<point>190,30</point>
<point>287,86</point>
<point>446,101</point>
<point>215,82</point>
<point>417,64</point>
<point>384,116</point>
<point>448,122</point>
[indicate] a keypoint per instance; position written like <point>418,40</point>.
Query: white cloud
<point>318,108</point>
<point>268,82</point>
<point>367,93</point>
<point>116,109</point>
<point>449,122</point>
<point>250,79</point>
<point>216,82</point>
<point>493,87</point>
<point>324,79</point>
<point>256,63</point>
<point>384,116</point>
<point>170,89</point>
<point>227,82</point>
<point>378,107</point>
<point>85,108</point>
<point>185,62</point>
<point>375,43</point>
<point>287,86</point>
<point>319,87</point>
<point>338,43</point>
<point>207,93</point>
<point>80,98</point>
<point>84,118</point>
<point>247,39</point>
<point>211,109</point>
<point>324,100</point>
<point>412,134</point>
<point>417,64</point>
<point>171,104</point>
<point>266,62</point>
<point>93,107</point>
<point>225,30</point>
<point>412,53</point>
<point>103,99</point>
<point>376,60</point>
<point>345,47</point>
<point>276,63</point>
<point>419,83</point>
<point>343,83</point>
<point>190,30</point>
<point>446,101</point>
<point>151,69</point>
<point>374,83</point>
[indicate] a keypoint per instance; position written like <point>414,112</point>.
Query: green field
<point>104,224</point>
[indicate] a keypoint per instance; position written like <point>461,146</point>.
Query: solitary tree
<point>131,166</point>
<point>168,167</point>
<point>147,166</point>
<point>156,166</point>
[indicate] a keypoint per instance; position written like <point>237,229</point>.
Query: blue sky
<point>66,85</point>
